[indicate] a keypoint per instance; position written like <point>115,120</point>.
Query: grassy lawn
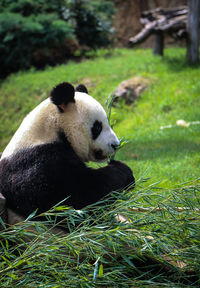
<point>154,249</point>
<point>169,155</point>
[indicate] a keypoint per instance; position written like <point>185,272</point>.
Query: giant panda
<point>44,163</point>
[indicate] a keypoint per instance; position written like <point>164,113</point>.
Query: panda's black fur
<point>42,176</point>
<point>39,177</point>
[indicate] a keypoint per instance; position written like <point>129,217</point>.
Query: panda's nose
<point>115,145</point>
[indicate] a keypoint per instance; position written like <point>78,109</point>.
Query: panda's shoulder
<point>54,154</point>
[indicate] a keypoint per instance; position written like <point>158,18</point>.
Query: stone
<point>131,89</point>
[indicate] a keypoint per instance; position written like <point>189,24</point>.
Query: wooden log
<point>173,24</point>
<point>155,14</point>
<point>143,35</point>
<point>159,20</point>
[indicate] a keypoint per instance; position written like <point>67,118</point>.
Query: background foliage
<point>93,22</point>
<point>47,32</point>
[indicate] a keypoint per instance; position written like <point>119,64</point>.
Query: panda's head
<point>84,122</point>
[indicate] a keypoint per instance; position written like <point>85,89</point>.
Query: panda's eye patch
<point>96,129</point>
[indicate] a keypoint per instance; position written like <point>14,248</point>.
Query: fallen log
<point>159,22</point>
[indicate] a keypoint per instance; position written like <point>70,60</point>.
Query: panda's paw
<point>124,173</point>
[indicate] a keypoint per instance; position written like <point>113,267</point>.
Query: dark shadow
<point>177,64</point>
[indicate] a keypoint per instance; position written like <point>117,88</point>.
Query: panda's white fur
<point>41,125</point>
<point>36,128</point>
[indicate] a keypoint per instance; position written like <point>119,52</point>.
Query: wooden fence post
<point>158,43</point>
<point>193,31</point>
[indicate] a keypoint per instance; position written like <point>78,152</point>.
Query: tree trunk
<point>158,43</point>
<point>193,31</point>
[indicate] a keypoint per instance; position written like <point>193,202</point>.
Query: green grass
<point>100,252</point>
<point>170,155</point>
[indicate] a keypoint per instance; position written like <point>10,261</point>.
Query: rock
<point>131,89</point>
<point>88,82</point>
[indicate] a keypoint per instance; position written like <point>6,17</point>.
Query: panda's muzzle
<point>98,154</point>
<point>115,146</point>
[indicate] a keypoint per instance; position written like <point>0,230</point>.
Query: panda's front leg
<point>116,176</point>
<point>97,183</point>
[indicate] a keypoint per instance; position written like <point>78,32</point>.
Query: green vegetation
<point>147,252</point>
<point>37,33</point>
<point>170,155</point>
<point>152,248</point>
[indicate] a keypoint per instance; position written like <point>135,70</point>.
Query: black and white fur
<point>44,161</point>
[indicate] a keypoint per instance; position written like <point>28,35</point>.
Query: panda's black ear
<point>81,88</point>
<point>62,94</point>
